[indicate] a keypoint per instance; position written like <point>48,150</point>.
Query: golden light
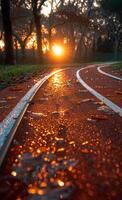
<point>60,183</point>
<point>1,44</point>
<point>57,50</point>
<point>13,173</point>
<point>57,81</point>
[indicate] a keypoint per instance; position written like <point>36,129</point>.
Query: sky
<point>47,8</point>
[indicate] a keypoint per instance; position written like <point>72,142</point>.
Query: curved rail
<point>99,96</point>
<point>10,124</point>
<point>107,74</point>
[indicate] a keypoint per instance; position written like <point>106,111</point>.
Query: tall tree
<point>113,5</point>
<point>22,26</point>
<point>114,9</point>
<point>36,9</point>
<point>35,6</point>
<point>7,26</point>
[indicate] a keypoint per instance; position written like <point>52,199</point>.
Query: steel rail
<point>99,96</point>
<point>11,133</point>
<point>107,74</point>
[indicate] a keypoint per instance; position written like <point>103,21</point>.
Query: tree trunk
<point>23,50</point>
<point>33,47</point>
<point>116,48</point>
<point>50,39</point>
<point>50,26</point>
<point>16,48</point>
<point>94,46</point>
<point>72,40</point>
<point>39,37</point>
<point>78,51</point>
<point>7,26</point>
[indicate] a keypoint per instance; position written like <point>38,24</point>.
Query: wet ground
<point>108,87</point>
<point>115,72</point>
<point>11,95</point>
<point>68,145</point>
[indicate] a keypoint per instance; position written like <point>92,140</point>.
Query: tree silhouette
<point>7,26</point>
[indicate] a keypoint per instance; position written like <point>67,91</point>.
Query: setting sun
<point>57,50</point>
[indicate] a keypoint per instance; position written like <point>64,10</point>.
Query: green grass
<point>11,74</point>
<point>8,74</point>
<point>117,66</point>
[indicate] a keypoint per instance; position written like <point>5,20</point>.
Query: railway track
<point>10,124</point>
<point>44,148</point>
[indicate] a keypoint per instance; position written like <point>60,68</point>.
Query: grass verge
<point>11,74</point>
<point>117,66</point>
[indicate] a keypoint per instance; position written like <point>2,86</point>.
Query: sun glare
<point>57,50</point>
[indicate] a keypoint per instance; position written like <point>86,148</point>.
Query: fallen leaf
<point>3,107</point>
<point>105,109</point>
<point>69,83</point>
<point>55,113</point>
<point>99,117</point>
<point>3,101</point>
<point>10,97</point>
<point>98,103</point>
<point>83,91</point>
<point>38,115</point>
<point>90,120</point>
<point>44,99</point>
<point>16,89</point>
<point>87,100</point>
<point>118,92</point>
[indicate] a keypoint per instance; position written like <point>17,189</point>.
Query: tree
<point>36,7</point>
<point>7,26</point>
<point>22,26</point>
<point>113,5</point>
<point>113,8</point>
<point>86,10</point>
